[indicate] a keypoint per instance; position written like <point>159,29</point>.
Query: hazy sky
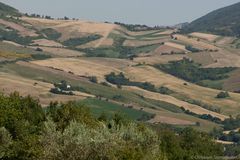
<point>151,12</point>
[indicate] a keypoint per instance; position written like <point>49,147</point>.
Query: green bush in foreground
<point>69,131</point>
<point>78,141</point>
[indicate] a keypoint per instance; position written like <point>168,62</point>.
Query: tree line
<point>69,131</point>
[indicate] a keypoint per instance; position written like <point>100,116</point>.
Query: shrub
<point>38,49</point>
<point>232,123</point>
<point>51,33</point>
<point>165,90</point>
<point>71,132</point>
<point>73,42</point>
<point>40,56</point>
<point>223,95</point>
<point>80,141</point>
<point>192,49</point>
<point>120,80</point>
<point>93,79</point>
<point>192,72</point>
<point>59,91</point>
<point>105,84</point>
<point>15,37</point>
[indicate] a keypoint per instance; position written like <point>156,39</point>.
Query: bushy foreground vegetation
<point>69,131</point>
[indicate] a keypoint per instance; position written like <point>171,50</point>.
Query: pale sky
<point>150,12</point>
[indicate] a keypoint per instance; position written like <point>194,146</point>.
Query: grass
<point>146,49</point>
<point>166,106</point>
<point>122,96</point>
<point>73,42</point>
<point>119,51</point>
<point>101,52</point>
<point>19,50</point>
<point>88,87</point>
<point>215,84</point>
<point>109,108</point>
<point>236,43</point>
<point>51,33</point>
<point>179,42</point>
<point>233,83</point>
<point>199,103</point>
<point>14,36</point>
<point>152,35</point>
<point>11,55</point>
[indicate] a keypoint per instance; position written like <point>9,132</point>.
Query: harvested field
<point>138,43</point>
<point>79,67</point>
<point>203,58</point>
<point>40,90</point>
<point>47,70</point>
<point>133,34</point>
<point>170,120</point>
<point>224,40</point>
<point>113,62</point>
<point>233,82</point>
<point>167,32</point>
<point>46,43</point>
<point>72,28</point>
<point>12,43</point>
<point>167,49</point>
<point>197,44</point>
<point>179,119</point>
<point>224,58</point>
<point>228,106</point>
<point>158,58</point>
<point>187,106</point>
<point>175,45</point>
<point>103,42</point>
<point>91,44</point>
<point>22,30</point>
<point>12,55</point>
<point>107,42</point>
<point>205,36</point>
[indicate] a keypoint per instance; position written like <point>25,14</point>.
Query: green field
<point>20,50</point>
<point>109,108</point>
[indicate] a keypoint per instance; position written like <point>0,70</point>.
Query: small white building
<point>68,86</point>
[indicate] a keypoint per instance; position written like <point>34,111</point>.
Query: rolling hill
<point>8,10</point>
<point>117,87</point>
<point>36,53</point>
<point>224,21</point>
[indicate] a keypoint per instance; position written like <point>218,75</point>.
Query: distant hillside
<point>224,21</point>
<point>181,25</point>
<point>7,10</point>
